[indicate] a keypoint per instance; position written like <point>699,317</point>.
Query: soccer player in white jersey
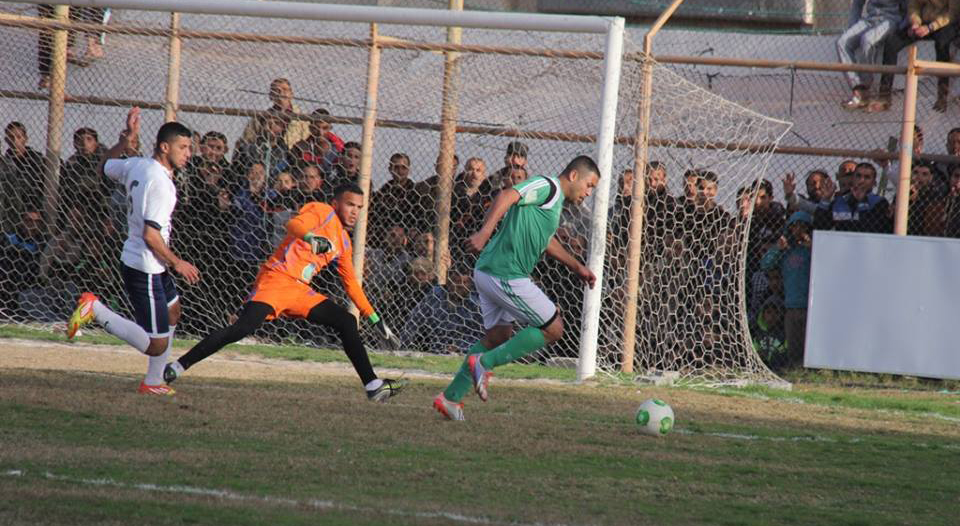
<point>146,257</point>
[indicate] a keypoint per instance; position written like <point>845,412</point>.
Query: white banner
<point>884,304</point>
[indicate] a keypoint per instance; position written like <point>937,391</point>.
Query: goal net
<point>695,253</point>
<point>520,111</point>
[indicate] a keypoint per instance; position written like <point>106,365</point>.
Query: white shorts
<point>503,301</point>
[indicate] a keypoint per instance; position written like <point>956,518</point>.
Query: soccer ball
<point>655,417</point>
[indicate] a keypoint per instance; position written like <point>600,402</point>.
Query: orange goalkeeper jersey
<point>295,259</point>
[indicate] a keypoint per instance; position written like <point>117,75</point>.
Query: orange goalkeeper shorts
<point>288,297</point>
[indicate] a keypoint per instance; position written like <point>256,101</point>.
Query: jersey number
<point>133,184</point>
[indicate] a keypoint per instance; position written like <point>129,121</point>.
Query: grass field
<point>250,440</point>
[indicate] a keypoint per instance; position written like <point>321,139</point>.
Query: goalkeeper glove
<point>318,244</point>
<point>385,333</point>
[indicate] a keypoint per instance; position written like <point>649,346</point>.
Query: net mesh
<point>254,172</point>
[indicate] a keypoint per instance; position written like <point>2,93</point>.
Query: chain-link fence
<point>254,168</point>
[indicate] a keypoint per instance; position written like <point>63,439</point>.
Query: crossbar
<point>353,13</point>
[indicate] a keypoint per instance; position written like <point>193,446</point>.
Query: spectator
<point>23,188</point>
<point>212,151</point>
<point>84,193</point>
<point>347,168</point>
<point>283,203</point>
<point>427,195</point>
<point>860,210</point>
<point>321,147</point>
<point>447,319</point>
<point>792,255</point>
<point>395,203</point>
<point>515,157</point>
<point>871,22</point>
<point>943,169</point>
<point>942,219</point>
<point>890,177</point>
<point>472,193</point>
<point>93,52</point>
<point>385,267</point>
<point>766,330</point>
<point>926,20</point>
<point>418,280</point>
<point>249,228</point>
<point>312,185</point>
<point>766,225</point>
<point>815,182</point>
<point>514,176</point>
<point>268,148</point>
<point>281,95</point>
<point>21,249</point>
<point>924,193</point>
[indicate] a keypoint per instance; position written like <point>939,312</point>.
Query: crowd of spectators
<point>234,202</point>
<point>233,205</point>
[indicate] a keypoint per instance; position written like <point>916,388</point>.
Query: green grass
<point>536,453</point>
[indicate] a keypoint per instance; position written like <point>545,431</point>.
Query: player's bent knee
<point>554,330</point>
<point>157,347</point>
<point>497,335</point>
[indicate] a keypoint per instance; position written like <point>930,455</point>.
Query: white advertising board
<point>884,304</point>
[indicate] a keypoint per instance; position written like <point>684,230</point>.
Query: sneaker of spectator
<point>281,97</point>
<point>870,23</point>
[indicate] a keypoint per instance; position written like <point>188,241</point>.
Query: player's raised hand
<point>188,271</point>
<point>586,275</point>
<point>476,242</point>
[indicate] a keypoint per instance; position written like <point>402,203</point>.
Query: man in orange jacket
<point>316,237</point>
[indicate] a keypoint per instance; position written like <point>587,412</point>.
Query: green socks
<point>462,382</point>
<point>522,343</point>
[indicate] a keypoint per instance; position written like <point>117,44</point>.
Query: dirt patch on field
<point>30,354</point>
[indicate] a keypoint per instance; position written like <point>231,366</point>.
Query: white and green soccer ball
<point>655,417</point>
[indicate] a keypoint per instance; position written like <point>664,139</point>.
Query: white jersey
<point>151,197</point>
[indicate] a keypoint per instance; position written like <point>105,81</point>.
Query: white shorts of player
<point>503,301</point>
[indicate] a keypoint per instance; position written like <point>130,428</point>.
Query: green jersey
<point>525,230</point>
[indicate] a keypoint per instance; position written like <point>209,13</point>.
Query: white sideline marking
<point>311,503</point>
<point>801,438</point>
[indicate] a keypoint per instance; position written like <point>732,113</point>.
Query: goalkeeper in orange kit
<point>316,237</point>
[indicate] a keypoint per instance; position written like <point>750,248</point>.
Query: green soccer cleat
<point>82,315</point>
<point>389,389</point>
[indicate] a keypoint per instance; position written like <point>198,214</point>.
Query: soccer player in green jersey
<point>531,214</point>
